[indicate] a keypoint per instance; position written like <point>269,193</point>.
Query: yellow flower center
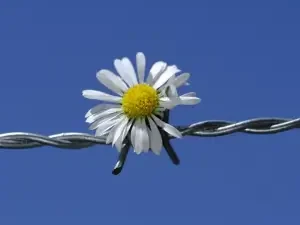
<point>140,101</point>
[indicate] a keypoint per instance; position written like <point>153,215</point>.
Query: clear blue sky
<point>244,60</point>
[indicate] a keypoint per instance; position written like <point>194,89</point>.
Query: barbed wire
<point>213,128</point>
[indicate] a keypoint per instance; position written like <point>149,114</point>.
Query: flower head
<point>137,110</point>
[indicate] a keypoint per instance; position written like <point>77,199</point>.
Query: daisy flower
<point>136,112</point>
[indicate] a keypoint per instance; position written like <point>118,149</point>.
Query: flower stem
<point>166,141</point>
<point>122,158</point>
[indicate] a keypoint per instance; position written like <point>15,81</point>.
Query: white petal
<point>109,117</point>
<point>102,133</point>
<point>172,91</point>
<point>110,135</point>
<point>163,89</point>
<point>99,108</point>
<point>147,147</point>
<point>113,131</point>
<point>167,74</point>
<point>136,134</point>
<point>120,130</point>
<point>189,94</point>
<point>98,133</point>
<point>145,139</point>
<point>156,70</point>
<point>119,142</point>
<point>181,79</point>
<point>155,138</point>
<point>168,103</point>
<point>141,66</point>
<point>129,69</point>
<point>98,95</point>
<point>111,81</point>
<point>167,127</point>
<point>189,98</point>
<point>128,126</point>
<point>102,114</point>
<point>106,126</point>
<point>139,137</point>
<point>186,100</point>
<point>122,71</point>
<point>132,135</point>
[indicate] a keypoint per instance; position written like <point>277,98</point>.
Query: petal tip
<point>140,54</point>
<point>83,93</point>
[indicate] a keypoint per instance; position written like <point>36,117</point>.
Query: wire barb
<point>213,128</point>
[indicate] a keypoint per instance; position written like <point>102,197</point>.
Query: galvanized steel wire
<point>213,128</point>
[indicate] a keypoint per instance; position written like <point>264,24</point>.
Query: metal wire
<point>214,128</point>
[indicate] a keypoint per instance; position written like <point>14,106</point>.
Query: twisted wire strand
<point>213,128</point>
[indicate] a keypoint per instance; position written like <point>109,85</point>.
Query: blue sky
<point>244,60</point>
